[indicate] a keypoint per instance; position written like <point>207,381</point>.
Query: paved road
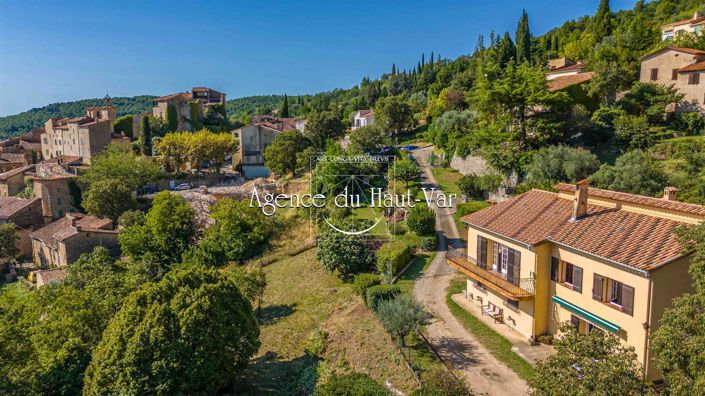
<point>484,373</point>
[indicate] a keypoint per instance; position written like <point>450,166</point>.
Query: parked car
<point>408,147</point>
<point>182,187</point>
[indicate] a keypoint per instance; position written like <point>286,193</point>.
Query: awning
<point>586,315</point>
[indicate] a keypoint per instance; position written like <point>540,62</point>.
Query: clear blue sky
<point>61,51</point>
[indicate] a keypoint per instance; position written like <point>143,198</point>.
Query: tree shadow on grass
<point>267,375</point>
<point>272,313</point>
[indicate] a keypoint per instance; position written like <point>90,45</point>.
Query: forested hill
<point>19,123</point>
<point>25,121</point>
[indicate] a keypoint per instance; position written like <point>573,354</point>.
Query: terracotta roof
<point>691,51</point>
<point>692,67</point>
<point>636,240</point>
<point>639,199</point>
<point>12,158</point>
<point>365,113</point>
<point>695,21</point>
<point>63,229</point>
<point>14,172</point>
<point>559,83</point>
<point>65,159</point>
<point>51,276</point>
<point>280,124</point>
<point>577,66</point>
<point>177,96</point>
<point>9,206</point>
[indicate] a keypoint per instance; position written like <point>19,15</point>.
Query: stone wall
<point>470,164</point>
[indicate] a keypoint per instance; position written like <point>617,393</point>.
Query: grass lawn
<point>499,346</point>
<point>447,179</point>
<point>415,137</point>
<point>302,297</point>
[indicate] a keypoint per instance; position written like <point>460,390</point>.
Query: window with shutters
<point>482,252</point>
<point>694,78</point>
<point>567,274</point>
<point>674,74</point>
<point>555,263</point>
<point>614,293</point>
<point>654,74</point>
<point>506,262</point>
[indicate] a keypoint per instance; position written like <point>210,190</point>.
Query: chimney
<point>695,16</point>
<point>670,194</point>
<point>581,198</point>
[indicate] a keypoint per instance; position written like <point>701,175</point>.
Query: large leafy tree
<point>158,240</point>
<point>406,171</point>
<point>588,364</point>
<point>634,172</point>
<point>109,199</point>
<point>678,342</point>
<point>240,232</point>
<point>118,162</point>
<point>601,24</point>
<point>344,253</point>
<point>562,164</point>
<point>194,148</point>
<point>323,126</point>
<point>281,156</point>
<point>48,334</point>
<point>394,112</point>
<point>191,333</point>
<point>368,138</point>
<point>123,125</point>
<point>8,245</point>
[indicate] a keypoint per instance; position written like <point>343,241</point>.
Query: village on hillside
<point>137,257</point>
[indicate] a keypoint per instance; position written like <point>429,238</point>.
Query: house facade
<point>596,259</point>
<point>52,182</point>
<point>681,68</point>
<point>694,26</point>
<point>188,105</point>
<point>12,182</point>
<point>249,156</point>
<point>363,118</point>
<point>26,215</point>
<point>62,242</point>
<point>80,136</point>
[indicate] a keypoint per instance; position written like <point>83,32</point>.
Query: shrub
<point>392,257</point>
<point>379,293</point>
<point>475,186</point>
<point>562,164</point>
<point>546,339</point>
<point>428,244</point>
<point>422,220</point>
<point>347,254</point>
<point>364,281</point>
<point>401,315</point>
<point>356,384</point>
<point>123,124</point>
<point>440,382</point>
<point>471,207</point>
<point>316,343</point>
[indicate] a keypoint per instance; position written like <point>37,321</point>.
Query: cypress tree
<point>172,120</point>
<point>285,108</point>
<point>505,50</point>
<point>523,39</point>
<point>601,24</point>
<point>431,63</point>
<point>423,59</point>
<point>394,68</point>
<point>146,136</point>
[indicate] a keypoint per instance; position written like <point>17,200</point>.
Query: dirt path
<point>485,374</point>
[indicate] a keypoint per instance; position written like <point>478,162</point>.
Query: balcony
<point>517,289</point>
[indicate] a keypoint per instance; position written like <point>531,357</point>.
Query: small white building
<point>363,118</point>
<point>563,67</point>
<point>694,26</point>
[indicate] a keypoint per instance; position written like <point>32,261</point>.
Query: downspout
<point>647,329</point>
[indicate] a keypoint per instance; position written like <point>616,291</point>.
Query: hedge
<point>392,257</point>
<point>428,244</point>
<point>364,281</point>
<point>376,294</point>
<point>422,220</point>
<point>471,207</point>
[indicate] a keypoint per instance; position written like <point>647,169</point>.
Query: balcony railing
<point>515,289</point>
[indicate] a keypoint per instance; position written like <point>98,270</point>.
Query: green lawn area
<point>499,346</point>
<point>370,214</point>
<point>416,136</point>
<point>302,297</point>
<point>447,179</point>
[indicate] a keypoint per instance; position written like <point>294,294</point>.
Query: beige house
<point>12,182</point>
<point>62,242</point>
<point>681,68</point>
<point>80,136</point>
<point>26,215</point>
<point>188,105</point>
<point>249,157</point>
<point>363,118</point>
<point>600,260</point>
<point>694,26</point>
<point>52,184</point>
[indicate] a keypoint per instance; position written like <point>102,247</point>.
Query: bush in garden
<point>401,315</point>
<point>356,384</point>
<point>471,207</point>
<point>316,343</point>
<point>422,220</point>
<point>428,244</point>
<point>364,281</point>
<point>392,257</point>
<point>475,186</point>
<point>440,382</point>
<point>379,293</point>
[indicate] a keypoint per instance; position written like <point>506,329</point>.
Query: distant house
<point>280,123</point>
<point>253,140</point>
<point>363,118</point>
<point>26,215</point>
<point>47,277</point>
<point>201,96</point>
<point>52,183</point>
<point>563,67</point>
<point>12,182</point>
<point>79,136</point>
<point>28,146</point>
<point>672,30</point>
<point>681,68</point>
<point>10,161</point>
<point>63,241</point>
